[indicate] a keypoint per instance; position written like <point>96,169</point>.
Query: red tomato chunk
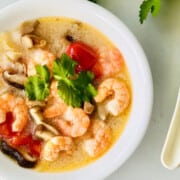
<point>83,54</point>
<point>17,140</point>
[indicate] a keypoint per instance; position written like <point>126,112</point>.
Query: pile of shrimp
<point>112,99</point>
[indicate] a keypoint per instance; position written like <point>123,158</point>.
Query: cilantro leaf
<point>64,67</point>
<point>37,86</point>
<point>83,79</point>
<point>83,82</point>
<point>69,94</point>
<point>147,6</point>
<point>74,88</point>
<point>89,92</point>
<point>43,72</point>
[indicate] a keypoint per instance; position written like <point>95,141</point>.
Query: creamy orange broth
<point>54,30</point>
<point>51,28</point>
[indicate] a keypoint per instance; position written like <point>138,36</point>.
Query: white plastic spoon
<point>170,156</point>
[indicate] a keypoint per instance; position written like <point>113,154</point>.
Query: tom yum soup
<point>65,94</point>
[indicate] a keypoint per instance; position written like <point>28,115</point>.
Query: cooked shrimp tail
<point>113,97</point>
<point>74,122</point>
<point>19,109</point>
<point>55,145</point>
<point>100,141</point>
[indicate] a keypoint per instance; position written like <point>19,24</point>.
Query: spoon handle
<point>170,156</point>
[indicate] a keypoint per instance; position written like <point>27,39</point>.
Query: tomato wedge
<point>83,54</point>
<point>27,141</point>
<point>21,140</point>
<point>17,140</point>
<point>35,147</point>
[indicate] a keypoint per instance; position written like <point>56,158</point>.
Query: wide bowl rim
<point>20,11</point>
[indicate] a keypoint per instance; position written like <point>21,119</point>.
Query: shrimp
<point>70,121</point>
<point>55,105</point>
<point>101,139</point>
<point>38,56</point>
<point>16,105</point>
<point>113,97</point>
<point>55,145</point>
<point>74,122</point>
<point>110,61</point>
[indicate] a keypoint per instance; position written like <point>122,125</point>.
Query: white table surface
<point>160,38</point>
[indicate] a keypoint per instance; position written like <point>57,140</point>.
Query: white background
<point>160,38</point>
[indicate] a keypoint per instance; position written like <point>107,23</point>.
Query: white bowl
<point>138,67</point>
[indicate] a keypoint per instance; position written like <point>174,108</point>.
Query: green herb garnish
<point>74,88</point>
<point>148,6</point>
<point>37,86</point>
<point>95,1</point>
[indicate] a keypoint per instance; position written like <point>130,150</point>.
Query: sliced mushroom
<point>5,87</point>
<point>13,90</point>
<point>27,42</point>
<point>38,118</point>
<point>17,67</point>
<point>23,158</point>
<point>32,104</point>
<point>16,80</point>
<point>88,108</point>
<point>13,67</point>
<point>43,133</point>
<point>30,41</point>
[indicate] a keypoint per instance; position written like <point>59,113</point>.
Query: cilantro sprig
<point>148,6</point>
<point>95,1</point>
<point>37,86</point>
<point>74,88</point>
